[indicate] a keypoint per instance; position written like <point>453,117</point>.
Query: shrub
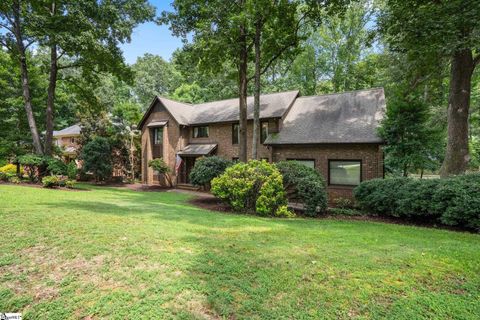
<point>457,201</point>
<point>379,195</point>
<point>452,201</point>
<point>3,176</point>
<point>10,168</point>
<point>33,163</point>
<point>70,184</point>
<point>50,181</point>
<point>14,179</point>
<point>161,168</point>
<point>207,168</point>
<point>343,203</point>
<point>97,158</point>
<point>254,187</point>
<point>56,166</point>
<point>305,184</point>
<point>72,170</point>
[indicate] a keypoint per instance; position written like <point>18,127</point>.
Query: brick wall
<point>221,134</point>
<point>173,140</point>
<point>370,155</point>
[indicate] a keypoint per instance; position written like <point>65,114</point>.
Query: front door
<point>186,168</point>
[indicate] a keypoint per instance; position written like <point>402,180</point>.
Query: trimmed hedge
<point>304,184</point>
<point>207,168</point>
<point>452,201</point>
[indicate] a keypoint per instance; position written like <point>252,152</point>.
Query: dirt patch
<point>210,203</point>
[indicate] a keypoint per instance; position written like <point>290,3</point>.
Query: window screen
<point>344,172</point>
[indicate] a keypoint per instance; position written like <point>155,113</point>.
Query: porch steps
<point>187,186</point>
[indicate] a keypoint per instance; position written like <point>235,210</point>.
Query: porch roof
<point>197,150</point>
<point>154,124</point>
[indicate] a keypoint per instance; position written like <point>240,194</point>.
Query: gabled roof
<point>273,105</point>
<point>69,131</point>
<point>349,117</point>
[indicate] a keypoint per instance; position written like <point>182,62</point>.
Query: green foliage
<point>161,168</point>
<point>452,201</point>
<point>72,170</point>
<point>253,187</point>
<point>70,184</point>
<point>33,163</point>
<point>207,168</point>
<point>50,181</point>
<point>56,166</point>
<point>306,184</point>
<point>412,142</point>
<point>97,158</point>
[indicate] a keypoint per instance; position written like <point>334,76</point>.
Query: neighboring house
<point>67,139</point>
<point>334,133</point>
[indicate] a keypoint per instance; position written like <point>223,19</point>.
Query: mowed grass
<point>121,254</point>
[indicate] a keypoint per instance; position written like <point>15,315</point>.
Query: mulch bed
<point>214,204</point>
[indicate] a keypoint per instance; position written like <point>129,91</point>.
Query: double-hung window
<point>264,131</point>
<point>200,132</point>
<point>158,135</point>
<point>235,133</point>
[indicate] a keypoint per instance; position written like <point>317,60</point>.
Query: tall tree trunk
<point>51,100</point>
<point>457,157</point>
<point>242,74</point>
<point>25,78</point>
<point>256,103</point>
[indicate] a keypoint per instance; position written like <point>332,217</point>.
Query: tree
<point>154,76</point>
<point>78,34</point>
<point>219,33</point>
<point>97,158</point>
<point>412,26</point>
<point>14,17</point>
<point>411,142</point>
<point>161,168</point>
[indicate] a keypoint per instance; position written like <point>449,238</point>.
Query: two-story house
<point>334,133</point>
<point>67,139</point>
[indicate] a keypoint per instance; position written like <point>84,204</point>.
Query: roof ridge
<point>339,93</point>
<point>251,96</point>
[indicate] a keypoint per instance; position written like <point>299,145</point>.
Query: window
<point>344,172</point>
<point>306,162</point>
<point>235,133</point>
<point>235,159</point>
<point>158,135</point>
<point>72,140</point>
<point>264,131</point>
<point>200,132</point>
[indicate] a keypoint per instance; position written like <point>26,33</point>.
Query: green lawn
<point>115,253</point>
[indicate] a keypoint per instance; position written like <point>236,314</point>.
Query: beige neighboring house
<point>67,139</point>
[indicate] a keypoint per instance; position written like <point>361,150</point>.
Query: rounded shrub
<point>50,182</point>
<point>72,170</point>
<point>56,166</point>
<point>304,184</point>
<point>10,168</point>
<point>451,201</point>
<point>207,168</point>
<point>97,158</point>
<point>253,187</point>
<point>159,166</point>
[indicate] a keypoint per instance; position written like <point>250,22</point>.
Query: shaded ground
<point>120,254</point>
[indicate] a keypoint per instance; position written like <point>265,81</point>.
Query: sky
<point>152,38</point>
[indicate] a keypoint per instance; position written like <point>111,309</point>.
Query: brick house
<point>67,139</point>
<point>334,133</point>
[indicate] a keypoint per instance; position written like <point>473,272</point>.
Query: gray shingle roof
<point>197,149</point>
<point>350,117</point>
<point>69,131</point>
<point>272,105</point>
